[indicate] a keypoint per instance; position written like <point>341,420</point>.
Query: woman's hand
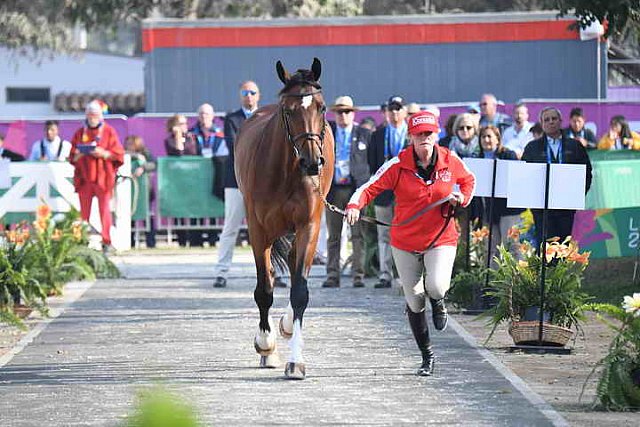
<point>457,198</point>
<point>352,216</point>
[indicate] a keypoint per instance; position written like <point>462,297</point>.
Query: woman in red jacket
<point>97,154</point>
<point>423,242</point>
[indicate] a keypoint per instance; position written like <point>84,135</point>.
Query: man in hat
<point>351,171</point>
<point>386,143</point>
<point>97,154</point>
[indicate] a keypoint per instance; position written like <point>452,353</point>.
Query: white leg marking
<point>296,343</point>
<point>287,320</point>
<point>266,340</point>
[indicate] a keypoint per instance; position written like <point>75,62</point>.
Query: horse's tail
<point>280,254</point>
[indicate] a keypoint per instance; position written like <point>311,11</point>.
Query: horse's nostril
<point>321,161</point>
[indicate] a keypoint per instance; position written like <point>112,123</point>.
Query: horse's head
<point>302,107</point>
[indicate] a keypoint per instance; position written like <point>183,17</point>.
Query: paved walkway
<point>164,323</point>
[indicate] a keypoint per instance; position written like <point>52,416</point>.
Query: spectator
<point>351,171</point>
<point>142,163</point>
<point>51,147</point>
<point>465,142</point>
<point>554,147</point>
<point>424,249</point>
<point>536,131</point>
<point>576,129</point>
<point>619,137</point>
<point>413,108</point>
<point>518,135</point>
<point>489,114</point>
<point>386,143</point>
<point>210,144</point>
<point>368,123</point>
<point>234,209</point>
<point>97,154</point>
<point>502,218</point>
<point>445,141</point>
<point>179,143</point>
<point>8,154</point>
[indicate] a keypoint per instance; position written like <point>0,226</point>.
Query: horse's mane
<point>301,77</point>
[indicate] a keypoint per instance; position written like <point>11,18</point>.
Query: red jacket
<point>92,169</point>
<point>412,194</point>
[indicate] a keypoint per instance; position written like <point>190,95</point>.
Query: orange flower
<point>41,225</point>
<point>12,236</point>
<point>551,251</point>
<point>43,212</point>
<point>582,258</point>
<point>57,234</point>
<point>76,229</point>
<point>514,233</point>
<point>478,236</point>
<point>525,248</point>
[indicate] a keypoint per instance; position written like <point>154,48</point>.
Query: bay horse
<point>284,158</point>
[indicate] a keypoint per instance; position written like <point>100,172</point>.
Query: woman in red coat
<point>97,154</point>
<point>420,175</point>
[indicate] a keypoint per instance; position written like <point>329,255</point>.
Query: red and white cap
<point>424,121</point>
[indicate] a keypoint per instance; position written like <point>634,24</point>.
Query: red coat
<point>92,169</point>
<point>412,194</point>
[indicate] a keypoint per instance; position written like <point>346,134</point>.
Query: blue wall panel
<point>179,79</point>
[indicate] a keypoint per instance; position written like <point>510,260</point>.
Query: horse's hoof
<point>262,351</point>
<point>283,332</point>
<point>271,361</point>
<point>295,371</point>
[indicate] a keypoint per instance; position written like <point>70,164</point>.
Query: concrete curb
<point>517,382</point>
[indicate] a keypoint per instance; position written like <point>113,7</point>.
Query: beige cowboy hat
<point>343,103</point>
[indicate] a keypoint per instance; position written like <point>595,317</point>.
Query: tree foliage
<point>617,13</point>
<point>34,27</point>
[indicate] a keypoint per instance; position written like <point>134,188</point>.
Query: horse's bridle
<point>318,138</point>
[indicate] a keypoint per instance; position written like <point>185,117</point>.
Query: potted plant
<point>467,284</point>
<point>619,385</point>
<point>515,286</point>
<point>20,293</point>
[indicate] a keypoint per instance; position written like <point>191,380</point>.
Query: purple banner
<point>21,134</point>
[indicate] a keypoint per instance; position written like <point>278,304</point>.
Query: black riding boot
<point>439,313</point>
<point>418,323</point>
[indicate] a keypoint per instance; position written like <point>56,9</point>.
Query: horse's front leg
<point>300,265</point>
<point>265,339</point>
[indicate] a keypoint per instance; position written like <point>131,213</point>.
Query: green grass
<point>609,280</point>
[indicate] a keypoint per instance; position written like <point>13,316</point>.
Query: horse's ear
<point>282,73</point>
<point>316,68</point>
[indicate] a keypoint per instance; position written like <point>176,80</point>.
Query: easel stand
<point>540,348</point>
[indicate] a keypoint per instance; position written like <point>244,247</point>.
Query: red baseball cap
<point>424,121</point>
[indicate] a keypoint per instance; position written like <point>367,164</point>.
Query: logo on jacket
<point>444,175</point>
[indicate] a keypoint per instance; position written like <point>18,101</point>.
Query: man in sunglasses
<point>234,210</point>
<point>350,172</point>
<point>386,143</point>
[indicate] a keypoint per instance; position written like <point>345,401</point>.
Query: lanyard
<point>393,151</point>
<point>550,156</point>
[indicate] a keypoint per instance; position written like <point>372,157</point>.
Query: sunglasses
<point>343,111</point>
<point>247,92</point>
<point>465,128</point>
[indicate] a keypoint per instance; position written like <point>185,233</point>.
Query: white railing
<point>44,176</point>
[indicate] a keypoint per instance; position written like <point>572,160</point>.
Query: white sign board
<point>5,177</point>
<point>525,188</point>
<point>483,170</point>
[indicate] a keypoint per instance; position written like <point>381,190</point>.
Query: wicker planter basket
<point>527,332</point>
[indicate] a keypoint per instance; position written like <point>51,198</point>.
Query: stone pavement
<point>165,324</point>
